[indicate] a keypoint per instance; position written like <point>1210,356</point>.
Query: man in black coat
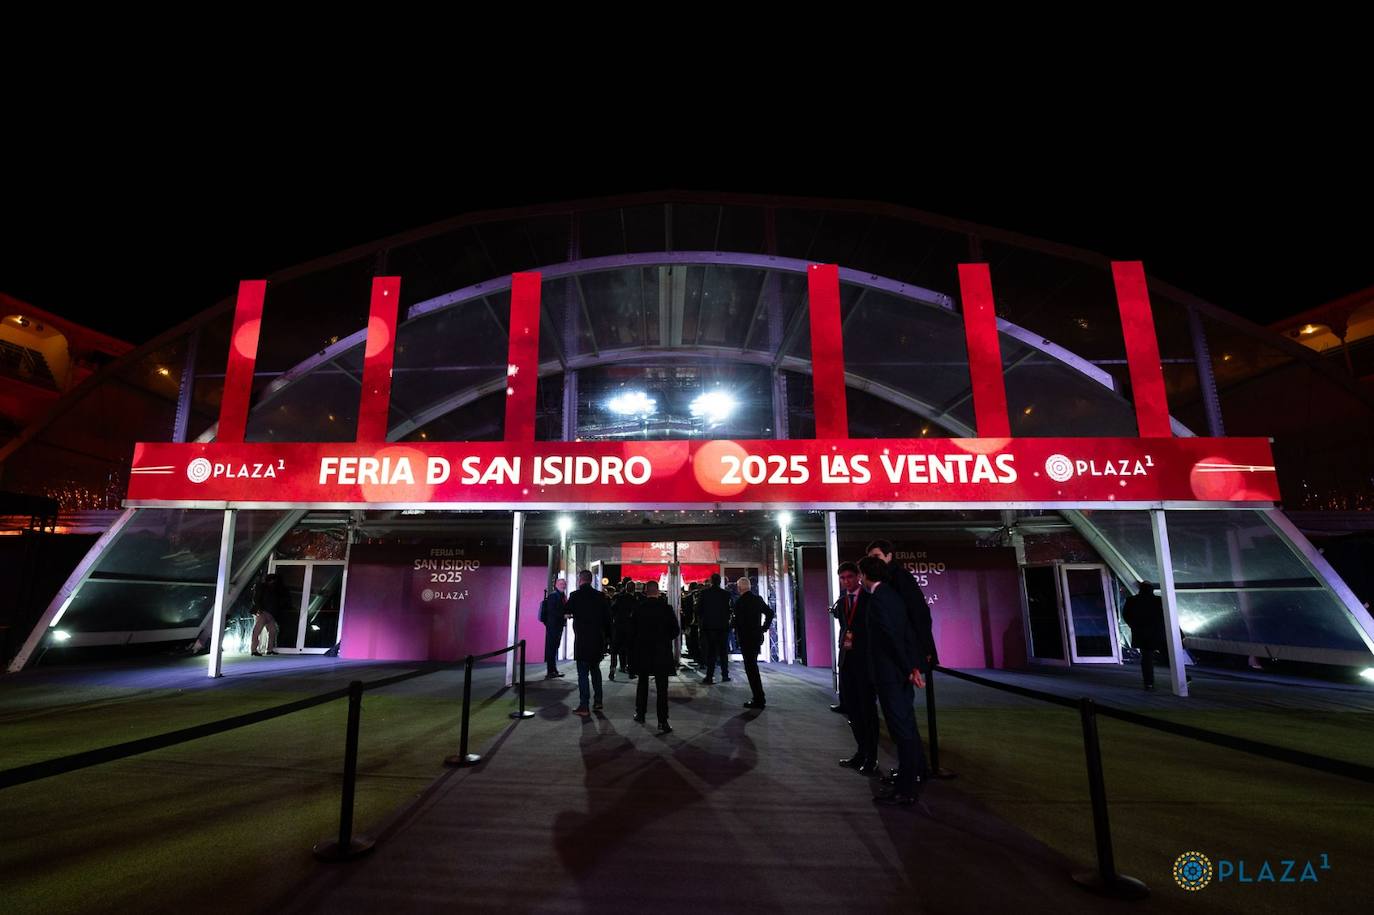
<point>857,699</point>
<point>553,614</point>
<point>918,611</point>
<point>591,616</point>
<point>894,667</point>
<point>753,618</point>
<point>622,613</point>
<point>655,629</point>
<point>1144,613</point>
<point>713,611</point>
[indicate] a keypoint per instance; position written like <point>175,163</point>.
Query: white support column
<point>1178,674</point>
<point>354,519</point>
<point>517,553</point>
<point>226,563</point>
<point>832,589</point>
<point>786,611</point>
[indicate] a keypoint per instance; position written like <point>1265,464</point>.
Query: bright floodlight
<point>1368,673</point>
<point>784,519</point>
<point>714,406</point>
<point>632,403</point>
<point>60,636</point>
<point>564,524</point>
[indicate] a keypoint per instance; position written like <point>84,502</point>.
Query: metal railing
<point>1105,878</point>
<point>347,844</point>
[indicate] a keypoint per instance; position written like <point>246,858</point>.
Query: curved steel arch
<point>477,291</point>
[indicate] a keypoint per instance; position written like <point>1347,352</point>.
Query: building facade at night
<point>684,317</point>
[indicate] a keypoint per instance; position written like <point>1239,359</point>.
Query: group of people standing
<point>638,629</point>
<point>886,650</point>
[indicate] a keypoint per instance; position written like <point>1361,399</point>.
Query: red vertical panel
<point>827,352</point>
<point>243,355</point>
<point>522,364</point>
<point>1142,350</point>
<point>984,352</point>
<point>378,357</point>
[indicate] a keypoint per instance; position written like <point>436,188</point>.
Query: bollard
<point>348,845</point>
<point>1105,879</point>
<point>464,758</point>
<point>522,713</point>
<point>935,769</point>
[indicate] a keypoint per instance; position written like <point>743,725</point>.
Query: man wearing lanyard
<point>857,699</point>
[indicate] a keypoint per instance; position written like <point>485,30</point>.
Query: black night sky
<point>1264,229</point>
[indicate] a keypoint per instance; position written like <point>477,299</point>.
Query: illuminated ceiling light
<point>331,417</point>
<point>424,435</point>
<point>164,371</point>
<point>1368,673</point>
<point>925,430</point>
<point>714,406</point>
<point>784,519</point>
<point>1029,410</point>
<point>632,403</point>
<point>314,628</point>
<point>1081,322</point>
<point>564,525</point>
<point>1226,357</point>
<point>1309,329</point>
<point>59,635</point>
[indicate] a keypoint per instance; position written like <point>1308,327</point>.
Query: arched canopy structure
<point>687,321</point>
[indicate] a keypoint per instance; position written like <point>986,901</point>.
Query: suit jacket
<point>591,613</point>
<point>917,610</point>
<point>655,627</point>
<point>713,608</point>
<point>752,618</point>
<point>622,614</point>
<point>553,608</point>
<point>859,628</point>
<point>893,646</point>
<point>1144,613</point>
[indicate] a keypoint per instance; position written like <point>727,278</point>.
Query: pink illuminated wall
<point>438,601</point>
<point>974,596</point>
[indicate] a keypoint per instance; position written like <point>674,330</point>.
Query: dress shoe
<point>707,682</point>
<point>755,704</point>
<point>582,711</point>
<point>597,706</point>
<point>663,728</point>
<point>639,719</point>
<point>725,679</point>
<point>853,762</point>
<point>837,709</point>
<point>270,651</point>
<point>868,769</point>
<point>257,654</point>
<point>612,677</point>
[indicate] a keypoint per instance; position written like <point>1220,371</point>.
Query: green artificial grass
<point>1168,795</point>
<point>224,823</point>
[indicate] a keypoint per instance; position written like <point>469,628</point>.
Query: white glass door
<point>1090,609</point>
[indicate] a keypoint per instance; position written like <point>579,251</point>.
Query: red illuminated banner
<point>822,473</point>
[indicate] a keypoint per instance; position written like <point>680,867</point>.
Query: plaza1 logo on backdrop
<point>1193,871</point>
<point>1061,469</point>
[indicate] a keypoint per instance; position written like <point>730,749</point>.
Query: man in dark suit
<point>894,666</point>
<point>552,613</point>
<point>713,611</point>
<point>591,616</point>
<point>918,611</point>
<point>1144,613</point>
<point>857,699</point>
<point>622,611</point>
<point>655,628</point>
<point>753,618</point>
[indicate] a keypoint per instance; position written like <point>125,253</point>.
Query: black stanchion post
<point>936,771</point>
<point>1105,879</point>
<point>348,845</point>
<point>464,758</point>
<point>522,713</point>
